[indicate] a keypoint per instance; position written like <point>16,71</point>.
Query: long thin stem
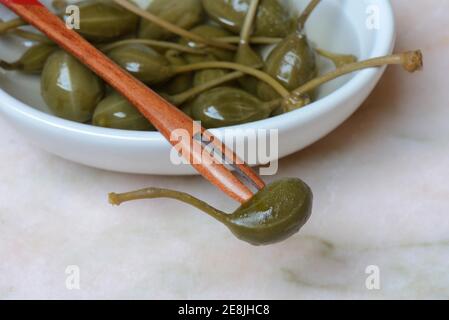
<point>238,67</point>
<point>337,59</point>
<point>411,61</point>
<point>306,14</point>
<point>153,193</point>
<point>253,40</point>
<point>25,34</point>
<point>183,97</point>
<point>248,23</point>
<point>172,27</point>
<point>11,24</point>
<point>154,43</point>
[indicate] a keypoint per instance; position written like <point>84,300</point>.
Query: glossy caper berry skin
<point>143,62</point>
<point>115,112</point>
<point>274,214</point>
<point>214,54</point>
<point>102,20</point>
<point>273,19</point>
<point>292,63</point>
<point>227,106</point>
<point>185,14</point>
<point>70,90</point>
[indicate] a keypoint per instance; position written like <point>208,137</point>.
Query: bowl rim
<point>383,45</point>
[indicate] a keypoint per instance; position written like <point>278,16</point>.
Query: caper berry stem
<point>11,24</point>
<point>337,59</point>
<point>171,27</point>
<point>249,22</point>
<point>306,14</point>
<point>153,193</point>
<point>411,61</point>
<point>154,43</point>
<point>238,67</point>
<point>183,97</point>
<point>9,66</point>
<point>32,36</point>
<point>252,40</point>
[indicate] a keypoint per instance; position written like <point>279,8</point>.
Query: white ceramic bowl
<point>338,25</point>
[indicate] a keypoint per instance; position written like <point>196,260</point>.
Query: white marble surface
<point>381,198</point>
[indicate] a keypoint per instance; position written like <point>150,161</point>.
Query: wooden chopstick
<point>164,116</point>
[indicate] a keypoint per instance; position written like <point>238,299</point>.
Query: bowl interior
<point>332,27</point>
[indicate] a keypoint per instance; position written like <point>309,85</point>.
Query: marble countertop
<point>381,209</point>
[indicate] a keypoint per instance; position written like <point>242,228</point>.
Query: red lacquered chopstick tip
<point>22,2</point>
